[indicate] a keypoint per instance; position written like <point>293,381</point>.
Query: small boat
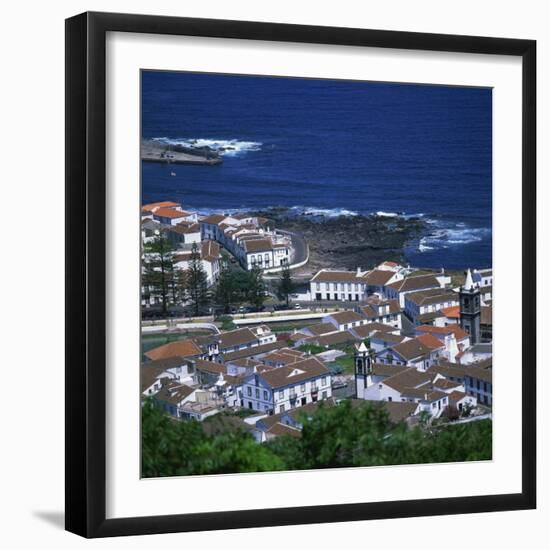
<point>172,173</point>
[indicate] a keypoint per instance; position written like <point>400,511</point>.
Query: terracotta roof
<point>214,219</point>
<point>411,349</point>
<point>377,277</point>
<point>210,251</point>
<point>253,351</point>
<point>485,375</point>
<point>430,341</point>
<point>384,336</point>
<point>418,282</point>
<point>379,369</point>
<point>334,339</point>
<point>456,395</point>
<point>185,229</point>
<point>364,331</point>
<point>345,317</point>
<point>325,276</point>
<point>397,411</point>
<point>174,394</point>
<point>165,363</point>
<point>171,213</point>
<point>296,373</point>
<point>147,377</point>
<point>156,205</point>
<point>444,384</point>
<point>279,429</point>
<point>321,328</point>
<point>245,362</point>
<point>452,312</point>
<point>209,366</point>
<point>459,333</point>
<point>280,357</point>
<point>448,369</point>
<point>406,379</point>
<point>432,296</point>
<point>181,348</point>
<point>238,337</point>
<point>258,245</point>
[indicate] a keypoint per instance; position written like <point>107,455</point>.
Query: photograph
<point>316,273</point>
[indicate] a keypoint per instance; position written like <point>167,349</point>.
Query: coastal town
<point>265,355</point>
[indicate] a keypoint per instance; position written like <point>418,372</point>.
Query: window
<point>323,381</point>
<point>303,388</point>
<point>281,394</point>
<point>265,395</point>
<point>318,286</point>
<point>249,391</point>
<point>257,393</point>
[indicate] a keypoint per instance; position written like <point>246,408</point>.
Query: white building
<point>420,304</point>
<point>284,388</point>
<point>399,289</point>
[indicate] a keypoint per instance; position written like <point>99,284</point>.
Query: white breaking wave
<point>224,147</point>
<point>325,212</point>
<point>446,237</point>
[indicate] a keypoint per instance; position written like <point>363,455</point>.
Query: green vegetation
<point>347,362</point>
<point>311,348</point>
<point>332,437</point>
<point>159,275</point>
<point>256,290</point>
<point>236,286</point>
<point>227,322</point>
<point>285,286</point>
<point>194,282</point>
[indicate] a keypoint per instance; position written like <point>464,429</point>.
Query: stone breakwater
<point>155,151</point>
<point>348,242</point>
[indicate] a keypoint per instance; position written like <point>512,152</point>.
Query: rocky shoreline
<point>156,151</point>
<point>348,242</point>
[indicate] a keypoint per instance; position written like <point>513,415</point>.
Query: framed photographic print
<point>292,256</point>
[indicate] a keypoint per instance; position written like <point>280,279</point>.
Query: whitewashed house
<point>419,304</point>
<point>284,388</point>
<point>399,289</point>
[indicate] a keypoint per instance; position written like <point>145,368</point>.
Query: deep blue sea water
<point>336,147</point>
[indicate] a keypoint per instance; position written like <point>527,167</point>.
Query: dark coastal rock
<point>348,242</point>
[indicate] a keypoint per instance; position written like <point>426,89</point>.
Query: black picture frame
<point>86,276</point>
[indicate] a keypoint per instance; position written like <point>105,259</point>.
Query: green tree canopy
<point>158,270</point>
<point>285,286</point>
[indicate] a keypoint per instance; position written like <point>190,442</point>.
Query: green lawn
<point>347,363</point>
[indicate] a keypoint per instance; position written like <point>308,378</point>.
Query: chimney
<point>358,271</point>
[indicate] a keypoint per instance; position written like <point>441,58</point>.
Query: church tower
<point>470,309</point>
<point>363,370</point>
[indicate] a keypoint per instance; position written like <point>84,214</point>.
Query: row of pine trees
<point>175,286</point>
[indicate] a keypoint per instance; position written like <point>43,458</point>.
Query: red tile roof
<point>459,333</point>
<point>156,205</point>
<point>171,213</point>
<point>430,341</point>
<point>182,348</point>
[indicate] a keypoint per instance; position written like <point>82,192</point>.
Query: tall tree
<point>227,291</point>
<point>256,288</point>
<point>158,269</point>
<point>285,286</point>
<point>196,282</point>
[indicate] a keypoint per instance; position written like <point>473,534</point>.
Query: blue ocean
<point>332,148</point>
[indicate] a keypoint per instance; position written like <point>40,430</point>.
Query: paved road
<point>179,326</point>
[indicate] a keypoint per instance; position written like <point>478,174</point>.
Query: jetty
<point>155,151</point>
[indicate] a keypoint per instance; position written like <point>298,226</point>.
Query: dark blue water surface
<point>336,147</point>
